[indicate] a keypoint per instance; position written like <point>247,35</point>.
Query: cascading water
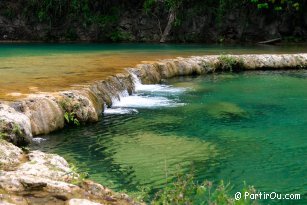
<point>145,96</point>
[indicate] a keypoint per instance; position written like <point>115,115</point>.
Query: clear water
<point>234,127</point>
<point>34,68</point>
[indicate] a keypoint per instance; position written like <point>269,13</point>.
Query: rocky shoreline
<point>39,178</point>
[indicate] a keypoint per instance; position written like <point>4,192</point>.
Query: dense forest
<point>207,21</point>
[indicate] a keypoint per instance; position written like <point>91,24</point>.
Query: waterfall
<point>139,87</point>
<point>137,82</point>
<point>149,96</point>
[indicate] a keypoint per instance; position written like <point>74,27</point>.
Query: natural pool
<point>33,68</point>
<point>234,127</point>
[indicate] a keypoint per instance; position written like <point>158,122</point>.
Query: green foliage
<point>173,4</point>
<point>229,63</point>
<point>70,112</point>
<point>222,8</point>
<point>170,4</point>
<point>70,118</point>
<point>118,36</point>
<point>3,136</point>
<point>185,191</point>
<point>71,34</point>
<point>25,149</point>
<point>70,19</point>
<point>47,10</point>
<point>9,12</point>
<point>16,130</point>
<point>148,5</point>
<point>278,5</point>
<point>77,175</point>
<point>104,14</point>
<point>142,194</point>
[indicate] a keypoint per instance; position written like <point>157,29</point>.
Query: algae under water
<point>248,127</point>
<point>34,68</point>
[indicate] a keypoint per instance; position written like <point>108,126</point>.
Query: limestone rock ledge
<point>40,178</point>
<point>44,112</point>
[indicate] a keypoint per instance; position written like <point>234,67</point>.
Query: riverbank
<point>39,178</point>
<point>44,113</point>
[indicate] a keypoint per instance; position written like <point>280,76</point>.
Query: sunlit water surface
<point>233,127</point>
<point>33,68</point>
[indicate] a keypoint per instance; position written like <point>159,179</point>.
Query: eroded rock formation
<point>39,178</point>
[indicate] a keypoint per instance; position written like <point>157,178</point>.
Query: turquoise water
<point>234,127</point>
<point>34,68</point>
<point>39,49</point>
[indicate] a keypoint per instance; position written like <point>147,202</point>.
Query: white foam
<point>137,101</point>
<point>154,87</point>
<point>119,111</point>
<point>143,98</point>
<point>38,140</point>
<point>159,88</point>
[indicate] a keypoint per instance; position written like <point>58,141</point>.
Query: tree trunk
<point>171,19</point>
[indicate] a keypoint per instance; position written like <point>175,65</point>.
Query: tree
<point>172,6</point>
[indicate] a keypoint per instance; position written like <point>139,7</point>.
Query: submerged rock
<point>161,150</point>
<point>225,110</point>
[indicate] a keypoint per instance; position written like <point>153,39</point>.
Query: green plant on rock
<point>70,118</point>
<point>70,114</point>
<point>16,130</point>
<point>230,63</point>
<point>3,136</point>
<point>77,176</point>
<point>141,194</point>
<point>185,191</point>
